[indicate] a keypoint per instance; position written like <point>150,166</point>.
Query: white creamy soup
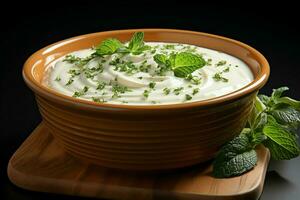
<point>157,73</point>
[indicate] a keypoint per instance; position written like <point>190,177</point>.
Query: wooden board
<point>40,164</point>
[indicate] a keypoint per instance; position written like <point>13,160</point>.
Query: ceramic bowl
<point>154,137</point>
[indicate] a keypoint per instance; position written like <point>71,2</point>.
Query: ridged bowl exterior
<point>145,140</point>
<point>143,137</point>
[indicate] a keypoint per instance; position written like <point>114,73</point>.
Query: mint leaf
<point>282,144</point>
<point>260,122</point>
<point>171,60</point>
<point>164,63</point>
<point>136,45</point>
<point>235,157</point>
<point>137,41</point>
<point>273,122</point>
<point>264,99</point>
<point>160,59</point>
<point>183,64</point>
<point>278,92</point>
<point>259,105</point>
<point>186,63</point>
<point>276,98</point>
<point>292,102</point>
<point>257,138</point>
<point>183,59</point>
<point>108,47</point>
<point>245,131</point>
<point>237,165</point>
<point>254,118</point>
<point>286,115</point>
<point>144,48</point>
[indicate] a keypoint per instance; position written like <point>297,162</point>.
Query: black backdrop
<point>272,29</point>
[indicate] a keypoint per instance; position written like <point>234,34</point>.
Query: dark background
<point>271,29</point>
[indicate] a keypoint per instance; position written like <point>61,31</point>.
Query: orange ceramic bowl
<point>154,137</point>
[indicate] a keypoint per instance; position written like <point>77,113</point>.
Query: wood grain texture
<point>40,164</point>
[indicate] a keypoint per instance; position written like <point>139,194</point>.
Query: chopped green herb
<point>79,62</point>
<point>70,81</point>
<point>115,62</point>
<point>146,93</point>
<point>208,62</point>
<point>188,97</point>
<point>101,85</point>
<point>119,89</point>
<point>162,70</point>
<point>91,72</point>
<point>152,85</point>
<point>71,59</point>
<point>98,100</point>
<point>195,91</point>
<point>236,66</point>
<point>166,91</point>
<point>124,66</point>
<point>144,67</point>
<point>218,77</point>
<point>169,46</point>
<point>190,49</point>
<point>177,91</point>
<point>140,77</point>
<point>221,63</point>
<point>226,69</point>
<point>74,72</point>
<point>193,79</point>
<point>153,51</point>
<point>80,93</point>
<point>57,78</point>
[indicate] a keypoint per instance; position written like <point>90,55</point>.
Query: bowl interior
<point>36,65</point>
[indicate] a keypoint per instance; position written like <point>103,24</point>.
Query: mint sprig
<point>186,63</point>
<point>112,45</point>
<point>281,143</point>
<point>136,45</point>
<point>183,63</point>
<point>273,123</point>
<point>236,157</point>
<point>108,47</point>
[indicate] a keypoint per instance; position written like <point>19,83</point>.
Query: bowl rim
<point>45,91</point>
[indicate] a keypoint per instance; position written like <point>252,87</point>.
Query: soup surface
<point>159,73</point>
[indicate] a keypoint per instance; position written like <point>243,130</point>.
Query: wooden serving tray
<point>40,164</point>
